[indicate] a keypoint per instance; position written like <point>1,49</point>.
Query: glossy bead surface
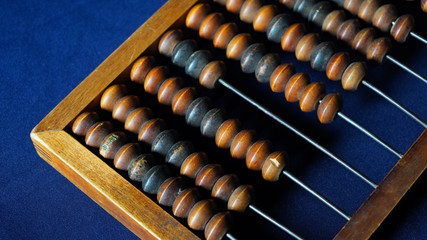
<point>111,144</point>
<point>201,213</point>
<point>363,40</point>
<point>266,66</point>
<point>140,69</point>
<point>164,141</point>
<point>329,107</point>
<point>352,6</point>
<point>196,111</point>
<point>208,175</point>
<point>311,95</point>
<point>196,15</point>
<point>321,54</point>
<point>224,35</point>
<point>218,226</point>
<point>402,27</point>
<point>249,9</point>
<point>281,76</point>
<point>319,12</point>
<point>353,75</point>
<point>151,129</point>
<point>292,36</point>
<point>169,191</point>
<point>193,163</point>
<point>295,86</point>
<point>241,198</point>
<point>226,133</point>
<point>367,9</point>
<point>263,17</point>
<point>241,143</point>
<point>137,118</point>
<point>124,107</point>
<point>168,90</point>
<point>139,166</point>
<point>332,21</point>
<point>179,152</point>
<point>378,49</point>
<point>155,78</point>
<point>212,121</point>
<point>211,73</point>
<point>224,187</point>
<point>184,202</point>
<point>305,46</point>
<point>348,30</point>
<point>154,177</point>
<point>183,51</point>
<point>112,95</point>
<point>210,25</point>
<point>337,65</point>
<point>125,155</point>
<point>234,6</point>
<point>384,16</point>
<point>303,7</point>
<point>83,122</point>
<point>182,100</point>
<point>196,62</point>
<point>238,45</point>
<point>169,41</point>
<point>278,26</point>
<point>251,56</point>
<point>257,154</point>
<point>96,134</point>
<point>273,166</point>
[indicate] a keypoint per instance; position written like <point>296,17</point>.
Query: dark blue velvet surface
<point>49,47</point>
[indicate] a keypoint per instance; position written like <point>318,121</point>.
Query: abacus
<point>175,145</point>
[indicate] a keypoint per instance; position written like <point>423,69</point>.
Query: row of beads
<point>155,179</point>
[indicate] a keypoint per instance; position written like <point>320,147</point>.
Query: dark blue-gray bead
<point>196,111</point>
<point>266,66</point>
<point>154,177</point>
<point>212,121</point>
<point>321,54</point>
<point>339,2</point>
<point>278,26</point>
<point>251,57</point>
<point>164,141</point>
<point>179,152</point>
<point>303,7</point>
<point>139,166</point>
<point>319,12</point>
<point>183,51</point>
<point>196,62</point>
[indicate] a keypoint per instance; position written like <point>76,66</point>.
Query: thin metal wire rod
<point>406,68</point>
<point>290,232</point>
<point>316,194</point>
<point>231,237</point>
<point>398,105</point>
<point>418,37</point>
<point>374,137</point>
<point>298,132</point>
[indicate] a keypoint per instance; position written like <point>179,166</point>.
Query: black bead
<point>183,51</point>
<point>179,152</point>
<point>154,178</point>
<point>196,62</point>
<point>266,66</point>
<point>251,57</point>
<point>212,121</point>
<point>164,141</point>
<point>139,166</point>
<point>196,111</point>
<point>304,7</point>
<point>278,26</point>
<point>321,54</point>
<point>319,12</point>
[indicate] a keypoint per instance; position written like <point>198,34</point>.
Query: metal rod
<point>418,37</point>
<point>290,232</point>
<point>231,237</point>
<point>406,68</point>
<point>298,132</point>
<point>398,105</point>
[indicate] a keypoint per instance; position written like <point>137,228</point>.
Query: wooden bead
<point>292,36</point>
<point>337,65</point>
<point>141,67</point>
<point>251,56</point>
<point>238,45</point>
<point>222,2</point>
<point>295,86</point>
<point>378,49</point>
<point>281,76</point>
<point>201,213</point>
<point>182,100</point>
<point>226,133</point>
<point>353,75</point>
<point>319,12</point>
<point>320,56</point>
<point>384,16</point>
<point>154,178</point>
<point>303,7</point>
<point>234,6</point>
<point>257,154</point>
<point>196,15</point>
<point>179,152</point>
<point>137,118</point>
<point>151,129</point>
<point>288,3</point>
<point>155,78</point>
<point>332,21</point>
<point>212,121</point>
<point>348,30</point>
<point>306,45</point>
<point>363,40</point>
<point>112,95</point>
<point>263,18</point>
<point>249,9</point>
<point>273,166</point>
<point>168,42</point>
<point>225,186</point>
<point>196,111</point>
<point>164,141</point>
<point>367,9</point>
<point>168,90</point>
<point>241,198</point>
<point>402,27</point>
<point>196,62</point>
<point>111,144</point>
<point>352,6</point>
<point>218,226</point>
<point>169,191</point>
<point>139,166</point>
<point>329,107</point>
<point>96,134</point>
<point>208,176</point>
<point>185,202</point>
<point>266,66</point>
<point>424,5</point>
<point>241,143</point>
<point>211,73</point>
<point>125,155</point>
<point>311,96</point>
<point>83,122</point>
<point>210,25</point>
<point>224,35</point>
<point>183,51</point>
<point>124,107</point>
<point>193,164</point>
<point>278,26</point>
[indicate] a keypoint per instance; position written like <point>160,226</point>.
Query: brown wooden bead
<point>281,76</point>
<point>201,213</point>
<point>363,40</point>
<point>249,9</point>
<point>234,6</point>
<point>184,202</point>
<point>83,122</point>
<point>112,95</point>
<point>241,143</point>
<point>295,86</point>
<point>182,100</point>
<point>337,65</point>
<point>96,134</point>
<point>224,35</point>
<point>226,133</point>
<point>142,66</point>
<point>352,6</point>
<point>257,154</point>
<point>378,49</point>
<point>169,89</point>
<point>288,3</point>
<point>310,97</point>
<point>111,144</point>
<point>167,43</point>
<point>193,164</point>
<point>218,226</point>
<point>155,78</point>
<point>367,9</point>
<point>211,73</point>
<point>384,16</point>
<point>238,45</point>
<point>124,107</point>
<point>224,187</point>
<point>210,25</point>
<point>137,118</point>
<point>306,45</point>
<point>208,176</point>
<point>241,198</point>
<point>424,5</point>
<point>292,36</point>
<point>348,30</point>
<point>402,27</point>
<point>125,155</point>
<point>353,75</point>
<point>329,107</point>
<point>151,129</point>
<point>169,191</point>
<point>274,165</point>
<point>196,15</point>
<point>263,17</point>
<point>332,21</point>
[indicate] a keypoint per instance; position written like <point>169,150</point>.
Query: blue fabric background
<point>49,47</point>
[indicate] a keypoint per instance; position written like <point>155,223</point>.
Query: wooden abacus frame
<point>129,205</point>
